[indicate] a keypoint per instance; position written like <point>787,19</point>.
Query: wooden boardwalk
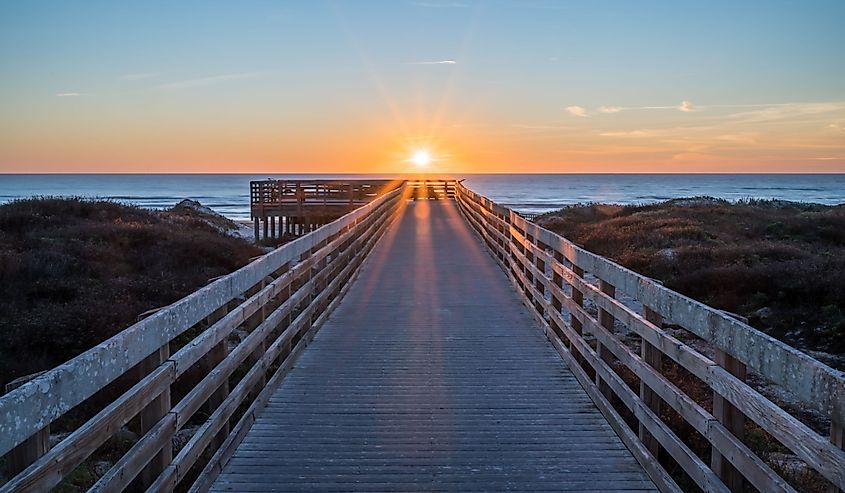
<point>431,376</point>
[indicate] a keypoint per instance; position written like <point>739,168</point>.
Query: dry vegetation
<point>74,272</point>
<point>780,264</point>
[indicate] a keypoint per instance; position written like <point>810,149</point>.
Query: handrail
<point>631,387</point>
<point>276,303</point>
<point>274,193</point>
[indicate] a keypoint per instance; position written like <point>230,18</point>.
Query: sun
<point>421,158</point>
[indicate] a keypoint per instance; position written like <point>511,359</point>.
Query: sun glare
<point>421,158</point>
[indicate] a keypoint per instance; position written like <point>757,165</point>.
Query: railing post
<point>538,283</point>
<point>837,436</point>
<point>732,418</point>
<point>33,447</point>
<point>605,320</point>
<point>557,304</point>
<point>152,414</point>
<point>578,299</point>
<point>654,358</point>
<point>212,359</point>
<point>262,345</point>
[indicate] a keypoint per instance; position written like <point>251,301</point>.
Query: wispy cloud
<point>746,138</point>
<point>631,133</point>
<point>686,106</point>
<point>785,110</point>
<point>435,62</point>
<point>140,76</point>
<point>68,94</point>
<point>610,109</point>
<point>576,111</point>
<point>208,81</point>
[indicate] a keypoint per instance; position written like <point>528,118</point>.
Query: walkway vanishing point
<point>440,380</point>
<point>429,345</point>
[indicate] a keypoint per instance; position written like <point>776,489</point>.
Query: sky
<point>501,86</point>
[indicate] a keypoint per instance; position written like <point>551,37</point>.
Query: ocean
<point>529,193</point>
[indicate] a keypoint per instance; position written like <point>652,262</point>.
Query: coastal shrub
<point>777,263</point>
<point>74,272</point>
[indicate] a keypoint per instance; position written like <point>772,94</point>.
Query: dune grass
<point>780,264</point>
<point>73,272</point>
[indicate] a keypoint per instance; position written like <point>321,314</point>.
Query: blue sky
<point>346,86</point>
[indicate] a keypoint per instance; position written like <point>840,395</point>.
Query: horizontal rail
<point>240,331</point>
<point>269,194</point>
<point>432,189</point>
<point>597,312</point>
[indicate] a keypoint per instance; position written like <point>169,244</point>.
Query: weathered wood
<point>150,397</point>
<point>127,467</point>
<point>58,390</point>
<point>246,387</point>
<point>733,420</point>
<point>810,380</point>
<point>158,408</point>
<point>761,475</point>
<point>530,245</point>
<point>837,437</point>
<point>212,359</point>
<point>421,372</point>
<point>215,356</point>
<point>119,477</point>
<point>606,320</point>
<point>33,447</point>
<point>224,453</point>
<point>654,358</point>
<point>62,459</point>
<point>28,452</point>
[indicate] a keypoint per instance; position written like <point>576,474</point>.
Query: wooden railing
<point>431,189</point>
<point>199,369</point>
<point>266,194</point>
<point>669,373</point>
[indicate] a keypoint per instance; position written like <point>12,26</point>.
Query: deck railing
<point>431,189</point>
<point>266,194</point>
<point>199,369</point>
<point>669,373</point>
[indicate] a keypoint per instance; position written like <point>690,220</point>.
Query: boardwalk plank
<point>431,376</point>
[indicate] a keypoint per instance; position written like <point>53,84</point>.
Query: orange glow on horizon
<point>475,144</point>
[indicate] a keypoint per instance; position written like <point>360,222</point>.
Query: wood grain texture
<point>430,375</point>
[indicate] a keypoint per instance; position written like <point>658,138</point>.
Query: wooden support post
<point>310,298</point>
<point>28,451</point>
<point>654,358</point>
<point>605,320</point>
<point>217,354</point>
<point>540,304</point>
<point>732,418</point>
<point>578,298</point>
<point>837,436</point>
<point>272,226</point>
<point>151,415</point>
<point>266,227</point>
<point>258,353</point>
<point>256,228</point>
